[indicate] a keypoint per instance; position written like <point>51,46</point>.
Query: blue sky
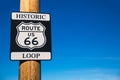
<point>85,40</point>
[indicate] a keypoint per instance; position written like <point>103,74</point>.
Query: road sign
<point>30,36</point>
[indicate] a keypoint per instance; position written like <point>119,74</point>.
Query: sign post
<point>29,70</point>
<point>30,39</point>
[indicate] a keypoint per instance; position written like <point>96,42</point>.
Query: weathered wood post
<point>29,70</point>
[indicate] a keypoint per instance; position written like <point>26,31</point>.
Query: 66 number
<point>28,42</point>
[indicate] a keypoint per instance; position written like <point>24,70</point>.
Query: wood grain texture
<point>29,5</point>
<point>29,70</point>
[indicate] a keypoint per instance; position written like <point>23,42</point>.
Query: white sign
<point>30,35</point>
<point>30,16</point>
<point>30,56</point>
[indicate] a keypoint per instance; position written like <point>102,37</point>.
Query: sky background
<point>85,40</point>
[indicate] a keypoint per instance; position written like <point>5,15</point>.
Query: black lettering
<point>43,16</point>
<point>23,27</point>
<point>31,28</point>
<point>29,34</point>
<point>27,27</point>
<point>37,17</point>
<point>31,55</point>
<point>38,28</point>
<point>23,55</point>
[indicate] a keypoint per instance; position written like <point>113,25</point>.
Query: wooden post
<point>29,70</point>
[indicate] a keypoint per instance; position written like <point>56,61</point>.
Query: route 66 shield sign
<point>30,35</point>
